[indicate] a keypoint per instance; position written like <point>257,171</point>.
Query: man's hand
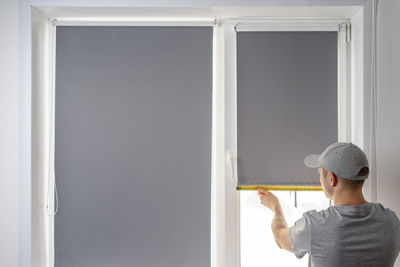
<point>279,226</point>
<point>268,199</point>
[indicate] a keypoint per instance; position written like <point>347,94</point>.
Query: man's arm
<point>279,226</point>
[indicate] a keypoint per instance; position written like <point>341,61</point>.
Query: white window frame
<point>229,28</point>
<point>225,244</point>
<point>224,95</point>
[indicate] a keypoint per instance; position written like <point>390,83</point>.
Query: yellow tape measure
<point>279,188</point>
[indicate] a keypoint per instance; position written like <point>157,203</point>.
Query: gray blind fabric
<point>133,146</point>
<point>286,104</point>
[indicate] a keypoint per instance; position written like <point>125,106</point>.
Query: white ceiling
<point>198,12</point>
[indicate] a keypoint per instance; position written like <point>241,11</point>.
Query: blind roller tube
<point>293,27</point>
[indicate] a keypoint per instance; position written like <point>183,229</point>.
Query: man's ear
<point>333,179</point>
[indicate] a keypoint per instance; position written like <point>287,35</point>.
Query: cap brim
<point>312,161</point>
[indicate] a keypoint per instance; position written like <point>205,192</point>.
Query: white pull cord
<point>51,173</point>
<point>52,214</point>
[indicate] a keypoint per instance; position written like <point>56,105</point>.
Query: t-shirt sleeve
<point>300,235</point>
<point>396,223</point>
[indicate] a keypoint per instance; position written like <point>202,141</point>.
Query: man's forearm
<point>278,221</point>
<point>279,226</point>
<point>281,229</point>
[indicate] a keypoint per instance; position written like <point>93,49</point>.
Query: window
<point>228,81</point>
<point>284,86</point>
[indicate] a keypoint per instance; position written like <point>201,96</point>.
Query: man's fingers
<point>261,190</point>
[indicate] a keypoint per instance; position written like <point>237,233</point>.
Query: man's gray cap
<point>343,159</point>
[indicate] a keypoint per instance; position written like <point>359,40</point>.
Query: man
<point>352,232</point>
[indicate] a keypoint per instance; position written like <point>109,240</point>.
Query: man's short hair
<point>353,184</point>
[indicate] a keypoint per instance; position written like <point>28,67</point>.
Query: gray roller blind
<point>133,146</point>
<point>286,104</point>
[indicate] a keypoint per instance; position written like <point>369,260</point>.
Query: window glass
<point>258,246</point>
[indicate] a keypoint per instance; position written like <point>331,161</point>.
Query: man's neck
<point>349,198</point>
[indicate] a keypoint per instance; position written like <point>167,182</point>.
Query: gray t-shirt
<point>365,235</point>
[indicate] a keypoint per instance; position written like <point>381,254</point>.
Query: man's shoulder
<point>314,216</point>
<point>380,208</point>
<point>389,213</point>
<point>318,216</point>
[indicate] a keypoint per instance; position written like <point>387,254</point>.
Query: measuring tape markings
<point>278,188</point>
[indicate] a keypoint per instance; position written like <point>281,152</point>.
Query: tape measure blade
<point>278,188</point>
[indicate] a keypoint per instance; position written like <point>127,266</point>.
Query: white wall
<point>9,105</point>
<point>388,117</point>
<point>388,144</point>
